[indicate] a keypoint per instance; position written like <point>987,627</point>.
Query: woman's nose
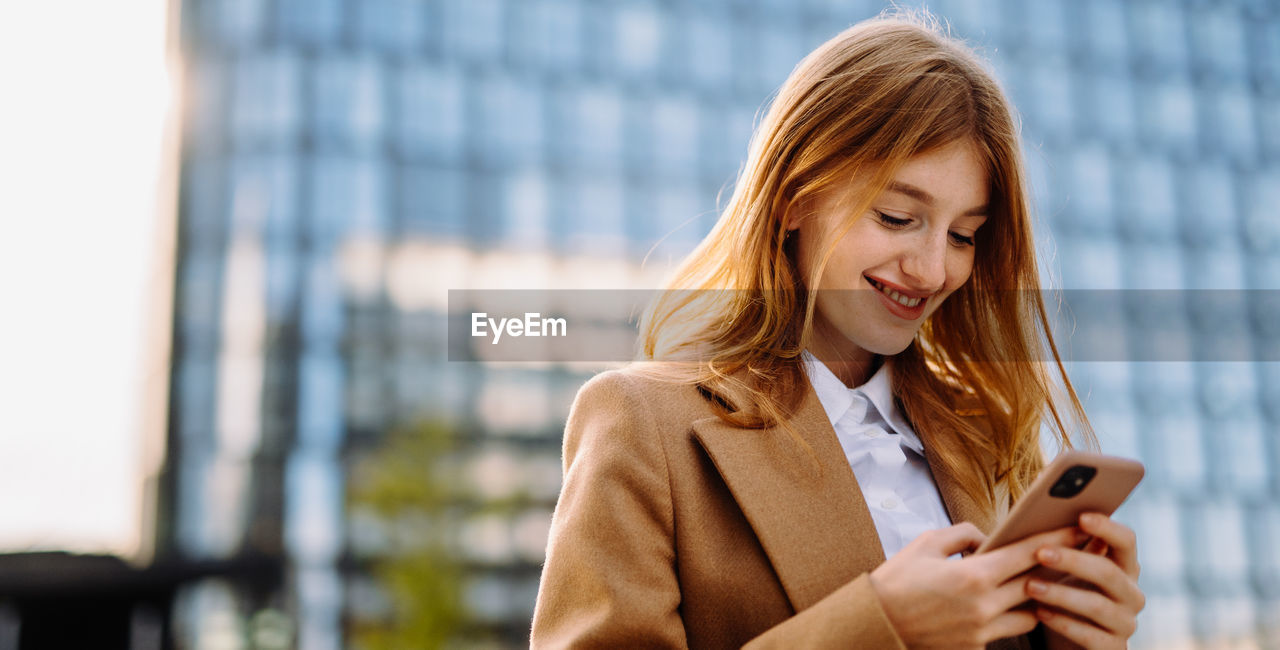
<point>926,266</point>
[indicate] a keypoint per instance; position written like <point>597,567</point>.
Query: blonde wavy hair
<point>737,312</point>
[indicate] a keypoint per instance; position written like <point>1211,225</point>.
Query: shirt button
<point>889,504</point>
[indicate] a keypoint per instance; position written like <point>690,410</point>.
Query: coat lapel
<point>809,515</point>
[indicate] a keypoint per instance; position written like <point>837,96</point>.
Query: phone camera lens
<point>1072,481</point>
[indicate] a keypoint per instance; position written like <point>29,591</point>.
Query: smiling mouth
<point>909,303</point>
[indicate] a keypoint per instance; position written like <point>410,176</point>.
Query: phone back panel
<point>1038,511</point>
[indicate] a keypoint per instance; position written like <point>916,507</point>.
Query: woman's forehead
<point>954,177</point>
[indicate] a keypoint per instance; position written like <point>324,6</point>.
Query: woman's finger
<point>1120,538</point>
<point>1013,559</point>
<point>1096,570</point>
<point>1096,546</point>
<point>1081,632</point>
<point>1010,594</point>
<point>1084,604</point>
<point>1012,623</point>
<point>948,541</point>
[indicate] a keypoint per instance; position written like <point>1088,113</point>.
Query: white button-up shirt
<point>886,455</point>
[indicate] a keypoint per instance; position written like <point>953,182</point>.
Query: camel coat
<point>675,529</point>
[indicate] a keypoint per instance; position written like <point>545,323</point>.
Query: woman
<point>854,378</point>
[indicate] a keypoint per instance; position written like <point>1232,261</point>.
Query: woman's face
<point>914,245</point>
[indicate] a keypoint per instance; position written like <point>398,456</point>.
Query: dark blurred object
<point>62,600</point>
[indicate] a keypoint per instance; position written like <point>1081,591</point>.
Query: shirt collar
<point>836,398</point>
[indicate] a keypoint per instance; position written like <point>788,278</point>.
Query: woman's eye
<point>962,240</point>
<point>892,221</point>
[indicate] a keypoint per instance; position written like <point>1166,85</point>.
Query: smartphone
<point>1075,482</point>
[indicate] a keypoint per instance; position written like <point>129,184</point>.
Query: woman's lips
<point>894,305</point>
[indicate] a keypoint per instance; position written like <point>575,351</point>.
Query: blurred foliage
<point>410,485</point>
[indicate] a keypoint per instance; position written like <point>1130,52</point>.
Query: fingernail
<point>1090,519</point>
<point>1037,587</point>
<point>1048,556</point>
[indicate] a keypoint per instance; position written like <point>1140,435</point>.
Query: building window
<point>1050,99</point>
<point>314,23</point>
<point>322,304</point>
<point>1229,122</point>
<point>1219,555</point>
<point>1169,116</point>
<point>1151,208</point>
<point>1153,266</point>
<point>675,137</point>
<point>1210,209</point>
<point>264,198</point>
<point>664,220</point>
<point>1240,455</point>
<point>197,379</point>
<point>199,309</point>
<point>980,21</point>
<point>283,274</point>
<point>593,212</point>
<point>1261,227</point>
<point>266,110</point>
<point>1091,203</point>
<point>433,201</point>
<point>203,221</point>
<point>474,30</point>
<point>637,40</point>
<point>349,198</point>
<point>779,47</point>
<point>389,25</point>
<point>313,507</point>
<point>509,127</point>
<point>1159,518</point>
<point>588,126</point>
<point>1046,26</point>
<point>348,113</point>
<point>549,34</point>
<point>231,24</point>
<point>526,198</point>
<point>1090,263</point>
<point>1264,547</point>
<point>708,50</point>
<point>1160,37</point>
<point>430,110</point>
<point>1176,452</point>
<point>207,98</point>
<point>1102,37</point>
<point>1265,53</point>
<point>1218,41</point>
<point>1109,102</point>
<point>320,399</point>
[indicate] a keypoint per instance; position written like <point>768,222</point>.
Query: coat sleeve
<point>610,574</point>
<point>850,616</point>
<point>610,577</point>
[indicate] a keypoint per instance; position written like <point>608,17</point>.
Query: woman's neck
<point>853,366</point>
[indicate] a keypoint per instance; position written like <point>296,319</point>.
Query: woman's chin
<point>890,345</point>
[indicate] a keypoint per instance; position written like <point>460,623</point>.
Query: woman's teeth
<point>895,296</point>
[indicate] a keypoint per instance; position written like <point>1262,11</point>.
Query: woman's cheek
<point>960,270</point>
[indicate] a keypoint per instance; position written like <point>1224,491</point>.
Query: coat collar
<point>809,515</point>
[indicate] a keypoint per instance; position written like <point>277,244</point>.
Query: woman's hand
<point>934,602</point>
<point>1098,607</point>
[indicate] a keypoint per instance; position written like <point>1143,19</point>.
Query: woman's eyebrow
<point>927,198</point>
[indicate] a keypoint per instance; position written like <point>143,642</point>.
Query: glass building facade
<point>346,162</point>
